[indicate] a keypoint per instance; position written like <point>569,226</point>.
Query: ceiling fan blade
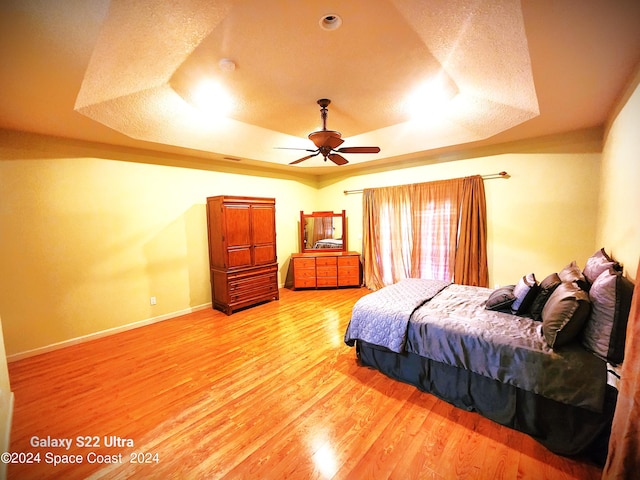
<point>359,150</point>
<point>337,159</point>
<point>304,158</point>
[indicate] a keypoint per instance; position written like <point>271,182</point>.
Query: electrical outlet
<point>153,300</point>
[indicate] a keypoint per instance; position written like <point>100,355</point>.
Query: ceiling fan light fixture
<point>327,138</point>
<point>330,22</point>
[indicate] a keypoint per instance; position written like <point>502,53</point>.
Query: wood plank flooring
<point>270,392</point>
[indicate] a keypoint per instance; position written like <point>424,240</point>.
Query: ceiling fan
<point>327,142</point>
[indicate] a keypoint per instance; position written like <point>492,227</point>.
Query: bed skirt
<point>563,429</point>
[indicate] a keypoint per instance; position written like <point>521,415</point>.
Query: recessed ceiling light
<point>330,22</point>
<point>212,98</point>
<point>430,99</point>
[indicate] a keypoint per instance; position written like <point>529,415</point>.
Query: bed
<point>531,356</point>
<point>328,243</point>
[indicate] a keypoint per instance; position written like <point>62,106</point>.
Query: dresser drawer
<point>349,271</point>
<point>246,287</point>
<point>242,274</point>
<point>304,263</point>
<point>249,293</point>
<point>309,282</point>
<point>251,283</point>
<point>349,280</point>
<point>305,273</point>
<point>326,271</point>
<point>327,281</point>
<point>351,261</point>
<point>325,261</point>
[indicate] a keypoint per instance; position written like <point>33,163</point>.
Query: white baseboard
<point>103,333</point>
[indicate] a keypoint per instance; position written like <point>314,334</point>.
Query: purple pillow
<point>606,329</point>
<point>598,263</point>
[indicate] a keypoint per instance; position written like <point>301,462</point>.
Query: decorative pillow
<point>564,314</point>
<point>606,329</point>
<point>547,287</point>
<point>571,273</point>
<point>501,298</point>
<point>525,291</point>
<point>598,263</point>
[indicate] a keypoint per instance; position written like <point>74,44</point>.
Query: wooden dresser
<point>326,269</point>
<point>242,251</point>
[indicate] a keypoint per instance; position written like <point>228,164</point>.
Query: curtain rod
<point>485,177</point>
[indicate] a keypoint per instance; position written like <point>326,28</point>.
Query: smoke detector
<point>227,65</point>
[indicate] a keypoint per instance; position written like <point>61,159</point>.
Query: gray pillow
<point>606,329</point>
<point>501,299</point>
<point>571,273</point>
<point>564,314</point>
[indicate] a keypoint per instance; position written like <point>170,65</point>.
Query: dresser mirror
<point>323,231</point>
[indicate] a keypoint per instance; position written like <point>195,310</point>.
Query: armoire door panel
<point>263,254</point>
<point>264,229</point>
<point>239,257</point>
<point>238,231</point>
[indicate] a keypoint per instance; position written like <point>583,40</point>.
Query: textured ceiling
<point>124,72</point>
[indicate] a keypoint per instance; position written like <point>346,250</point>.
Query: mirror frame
<point>303,222</point>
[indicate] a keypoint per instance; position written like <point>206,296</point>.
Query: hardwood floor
<point>269,392</point>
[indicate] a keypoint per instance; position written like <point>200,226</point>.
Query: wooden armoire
<point>242,251</point>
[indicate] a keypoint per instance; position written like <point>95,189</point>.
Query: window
<point>416,231</point>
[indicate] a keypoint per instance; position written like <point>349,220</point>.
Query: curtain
<point>623,459</point>
<point>426,230</point>
<point>385,211</point>
<point>471,254</point>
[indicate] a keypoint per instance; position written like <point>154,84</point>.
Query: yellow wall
<point>619,216</point>
<point>87,240</point>
<point>539,219</point>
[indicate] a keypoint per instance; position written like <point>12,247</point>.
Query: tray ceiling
<point>127,73</point>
